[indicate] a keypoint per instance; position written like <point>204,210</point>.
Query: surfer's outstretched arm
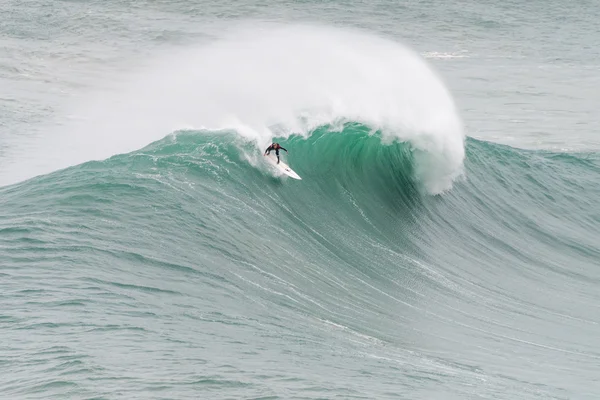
<point>283,149</point>
<point>268,150</point>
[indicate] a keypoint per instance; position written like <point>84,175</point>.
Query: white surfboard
<point>283,167</point>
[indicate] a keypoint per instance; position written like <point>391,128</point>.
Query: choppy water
<point>443,243</point>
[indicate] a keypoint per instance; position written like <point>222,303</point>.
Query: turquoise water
<point>443,243</point>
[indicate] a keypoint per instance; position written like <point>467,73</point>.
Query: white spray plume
<point>295,77</point>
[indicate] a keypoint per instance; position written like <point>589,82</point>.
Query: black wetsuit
<point>276,147</point>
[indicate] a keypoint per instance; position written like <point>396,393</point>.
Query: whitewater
<point>443,242</point>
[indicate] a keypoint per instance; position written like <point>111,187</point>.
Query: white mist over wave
<point>252,79</point>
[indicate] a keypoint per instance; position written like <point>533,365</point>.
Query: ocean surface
<point>443,243</point>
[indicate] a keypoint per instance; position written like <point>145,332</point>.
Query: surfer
<point>276,147</point>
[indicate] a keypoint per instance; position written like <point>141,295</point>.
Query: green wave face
<point>193,245</point>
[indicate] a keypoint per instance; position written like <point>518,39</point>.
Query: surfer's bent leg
<point>277,154</point>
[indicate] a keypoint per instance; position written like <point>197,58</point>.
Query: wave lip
<point>300,78</point>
